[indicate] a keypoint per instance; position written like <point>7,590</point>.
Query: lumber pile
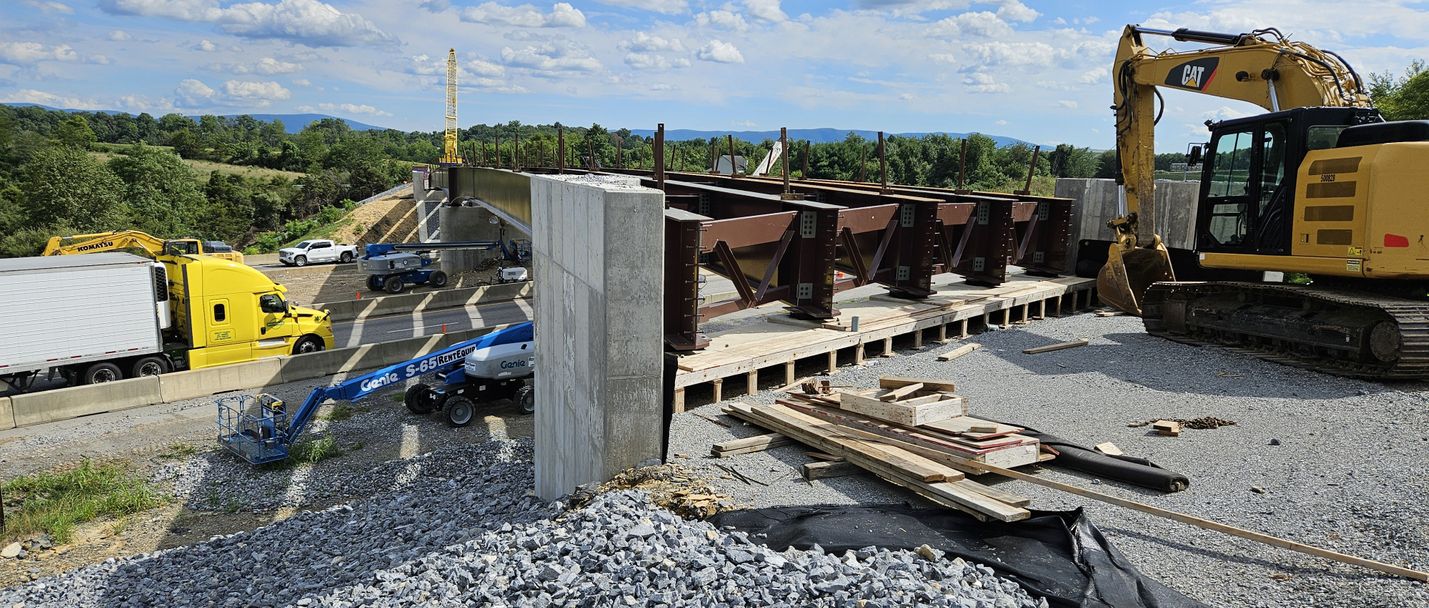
<point>912,432</point>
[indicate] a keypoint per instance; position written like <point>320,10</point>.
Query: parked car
<point>316,251</point>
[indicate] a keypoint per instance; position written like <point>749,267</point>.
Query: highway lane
<point>423,323</point>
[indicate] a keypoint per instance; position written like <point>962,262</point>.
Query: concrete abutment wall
<point>598,244</point>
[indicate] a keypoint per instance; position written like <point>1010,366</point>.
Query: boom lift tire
<point>526,399</point>
<point>437,279</point>
<point>101,372</point>
<point>374,283</point>
<point>392,284</point>
<point>149,366</point>
<point>459,411</point>
<point>420,399</point>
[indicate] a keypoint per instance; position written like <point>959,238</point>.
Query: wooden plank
<point>901,382</point>
<point>825,437</point>
<point>1109,449</point>
<point>1208,524</point>
<point>821,470</point>
<point>928,445</point>
<point>1169,428</point>
<point>958,352</point>
<point>1055,347</point>
<point>901,392</point>
<point>962,425</point>
<point>995,493</point>
<point>758,443</point>
<point>907,415</point>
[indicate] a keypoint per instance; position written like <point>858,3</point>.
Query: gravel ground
<point>466,531</point>
<point>1328,461</point>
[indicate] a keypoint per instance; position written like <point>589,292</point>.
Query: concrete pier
<point>598,243</point>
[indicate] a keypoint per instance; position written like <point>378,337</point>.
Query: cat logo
<point>1195,75</point>
<point>1191,76</point>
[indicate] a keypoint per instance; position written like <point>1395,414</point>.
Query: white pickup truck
<point>317,250</point>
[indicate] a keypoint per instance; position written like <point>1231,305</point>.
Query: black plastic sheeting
<point>1058,555</point>
<point>1138,471</point>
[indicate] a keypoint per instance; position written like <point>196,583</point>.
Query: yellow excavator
<point>134,239</point>
<point>1320,187</point>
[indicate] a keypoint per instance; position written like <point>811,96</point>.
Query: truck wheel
<point>374,282</point>
<point>101,372</point>
<point>420,399</point>
<point>526,399</point>
<point>149,366</point>
<point>459,411</point>
<point>301,260</point>
<point>345,257</point>
<point>308,344</point>
<point>437,279</point>
<point>392,284</point>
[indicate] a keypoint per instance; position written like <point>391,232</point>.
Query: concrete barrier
<point>73,402</point>
<point>76,401</point>
<point>177,386</point>
<point>7,414</point>
<point>432,300</point>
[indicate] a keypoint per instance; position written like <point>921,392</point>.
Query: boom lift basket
<point>255,427</point>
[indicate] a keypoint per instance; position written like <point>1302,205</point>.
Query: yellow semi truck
<point>108,316</point>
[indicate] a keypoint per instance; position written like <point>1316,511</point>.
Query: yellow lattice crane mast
<point>449,150</point>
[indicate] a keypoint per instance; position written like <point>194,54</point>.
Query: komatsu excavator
<point>1320,186</point>
<point>134,239</point>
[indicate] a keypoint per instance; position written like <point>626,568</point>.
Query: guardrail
<point>385,193</point>
<point>29,409</point>
<point>349,310</point>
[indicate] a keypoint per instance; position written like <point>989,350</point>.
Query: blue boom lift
<point>494,366</point>
<point>391,267</point>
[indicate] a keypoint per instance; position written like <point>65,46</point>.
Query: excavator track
<point>1343,332</point>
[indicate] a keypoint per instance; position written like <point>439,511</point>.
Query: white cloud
<point>1093,76</point>
<point>119,35</point>
<point>562,15</point>
<point>98,59</point>
<point>999,122</point>
<point>723,19</point>
<point>652,61</point>
<point>948,58</point>
<point>347,108</point>
<point>265,65</point>
<point>998,53</point>
<point>981,82</point>
<point>666,7</point>
<point>30,53</point>
<point>205,46</point>
<point>193,94</point>
<point>261,93</point>
<point>1013,10</point>
<point>482,67</point>
<point>306,22</point>
<point>436,6</point>
<point>767,10</point>
<point>1067,103</point>
<point>549,58</point>
<point>980,23</point>
<point>51,5</point>
<point>52,100</point>
<point>646,43</point>
<point>719,51</point>
<point>302,82</point>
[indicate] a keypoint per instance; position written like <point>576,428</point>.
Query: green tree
<point>75,131</point>
<point>163,196</point>
<point>1405,97</point>
<point>62,185</point>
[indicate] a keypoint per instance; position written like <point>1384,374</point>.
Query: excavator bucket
<point>1129,271</point>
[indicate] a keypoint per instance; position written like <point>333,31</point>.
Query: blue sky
<point>1032,70</point>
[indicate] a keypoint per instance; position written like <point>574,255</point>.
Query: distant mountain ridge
<point>292,123</point>
<point>818,136</point>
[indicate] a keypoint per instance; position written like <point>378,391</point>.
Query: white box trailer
<point>90,318</point>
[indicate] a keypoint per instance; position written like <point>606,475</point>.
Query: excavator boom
<point>1262,67</point>
<point>134,239</point>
